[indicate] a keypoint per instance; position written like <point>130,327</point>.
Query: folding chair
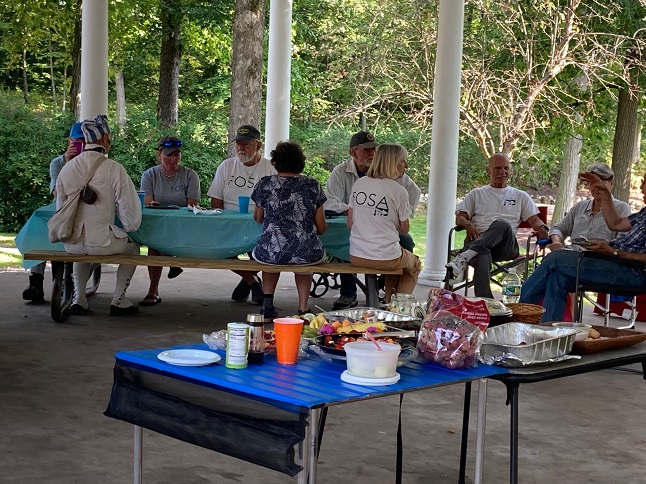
<point>608,289</point>
<point>531,256</point>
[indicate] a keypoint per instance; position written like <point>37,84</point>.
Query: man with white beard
<point>238,176</point>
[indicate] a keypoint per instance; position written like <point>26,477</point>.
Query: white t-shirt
<point>486,204</point>
<point>233,179</point>
<point>378,205</point>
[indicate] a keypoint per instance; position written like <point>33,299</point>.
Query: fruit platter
<point>327,324</point>
<point>334,343</point>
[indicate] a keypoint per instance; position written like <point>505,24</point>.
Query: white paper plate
<point>189,357</point>
<point>371,382</point>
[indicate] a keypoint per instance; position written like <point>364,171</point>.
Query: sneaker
<point>256,293</point>
<point>269,313</point>
<point>78,310</point>
<point>457,266</point>
<point>35,291</point>
<point>127,311</point>
<point>345,302</point>
<point>241,292</point>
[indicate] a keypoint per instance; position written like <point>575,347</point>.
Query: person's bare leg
<point>249,276</point>
<point>269,282</point>
<point>392,282</point>
<point>154,274</point>
<point>303,285</point>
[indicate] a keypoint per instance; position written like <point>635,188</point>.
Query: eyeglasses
<point>168,144</point>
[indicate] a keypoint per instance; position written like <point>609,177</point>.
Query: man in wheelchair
<point>490,215</point>
<point>556,276</point>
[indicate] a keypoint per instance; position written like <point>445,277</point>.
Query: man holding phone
<point>75,145</point>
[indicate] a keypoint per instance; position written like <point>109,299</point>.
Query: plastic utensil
<point>371,338</point>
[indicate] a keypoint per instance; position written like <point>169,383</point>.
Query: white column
<point>444,141</point>
<point>278,74</point>
<point>94,59</point>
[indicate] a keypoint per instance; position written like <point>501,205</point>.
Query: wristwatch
<point>615,252</point>
<point>544,227</point>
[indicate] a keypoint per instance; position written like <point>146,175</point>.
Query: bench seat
<point>61,273</point>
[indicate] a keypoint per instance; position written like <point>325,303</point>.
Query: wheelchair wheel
<point>320,285</point>
<point>62,287</point>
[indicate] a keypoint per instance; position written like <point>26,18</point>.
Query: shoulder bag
<point>61,226</point>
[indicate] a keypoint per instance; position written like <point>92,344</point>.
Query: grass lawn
<point>9,257</point>
<point>418,232</point>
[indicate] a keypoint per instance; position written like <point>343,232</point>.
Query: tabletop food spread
<point>441,337</point>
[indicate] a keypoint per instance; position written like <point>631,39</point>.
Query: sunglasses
<point>168,144</point>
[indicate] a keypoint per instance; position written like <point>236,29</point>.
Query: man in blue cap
<point>75,143</point>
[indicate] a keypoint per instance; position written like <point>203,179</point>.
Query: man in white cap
<point>235,177</point>
<point>94,230</point>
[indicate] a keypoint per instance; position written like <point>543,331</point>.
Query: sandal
<point>150,300</point>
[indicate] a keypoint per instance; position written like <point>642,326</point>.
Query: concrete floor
<point>55,381</point>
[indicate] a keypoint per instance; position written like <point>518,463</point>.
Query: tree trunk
<point>75,88</point>
<point>25,86</point>
<point>169,60</point>
<point>246,66</point>
<point>51,63</point>
<point>569,176</point>
<point>624,147</point>
<point>121,101</point>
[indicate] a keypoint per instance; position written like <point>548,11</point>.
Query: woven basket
<point>526,313</point>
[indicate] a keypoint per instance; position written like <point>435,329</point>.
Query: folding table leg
<point>512,400</point>
<point>480,429</point>
<point>465,432</point>
<point>138,456</point>
<point>308,450</point>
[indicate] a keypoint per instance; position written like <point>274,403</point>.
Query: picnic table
<point>185,234</point>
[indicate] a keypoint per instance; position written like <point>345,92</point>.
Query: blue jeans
<point>555,277</point>
<point>347,282</point>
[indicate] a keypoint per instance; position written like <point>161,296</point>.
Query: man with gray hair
<point>490,215</point>
<point>94,230</point>
<point>585,219</point>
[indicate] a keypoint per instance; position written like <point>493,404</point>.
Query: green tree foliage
<point>354,62</point>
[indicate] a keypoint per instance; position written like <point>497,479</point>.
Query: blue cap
<point>76,132</point>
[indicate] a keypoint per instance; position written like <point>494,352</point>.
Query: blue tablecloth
<point>310,383</point>
<point>185,234</point>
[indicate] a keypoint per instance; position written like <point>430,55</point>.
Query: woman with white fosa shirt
<point>378,212</point>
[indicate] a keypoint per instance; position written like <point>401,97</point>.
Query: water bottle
<point>511,287</point>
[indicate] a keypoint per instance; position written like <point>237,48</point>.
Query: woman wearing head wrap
<point>94,230</point>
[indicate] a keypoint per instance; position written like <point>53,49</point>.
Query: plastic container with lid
<point>366,361</point>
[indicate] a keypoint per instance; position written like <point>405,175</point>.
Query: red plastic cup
<point>288,339</point>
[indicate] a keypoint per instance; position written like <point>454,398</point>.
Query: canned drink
<point>256,324</point>
<point>237,345</point>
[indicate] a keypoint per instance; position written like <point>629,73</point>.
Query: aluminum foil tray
<point>396,320</point>
<point>519,344</point>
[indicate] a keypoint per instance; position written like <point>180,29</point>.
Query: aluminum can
<point>237,345</point>
<point>256,324</point>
